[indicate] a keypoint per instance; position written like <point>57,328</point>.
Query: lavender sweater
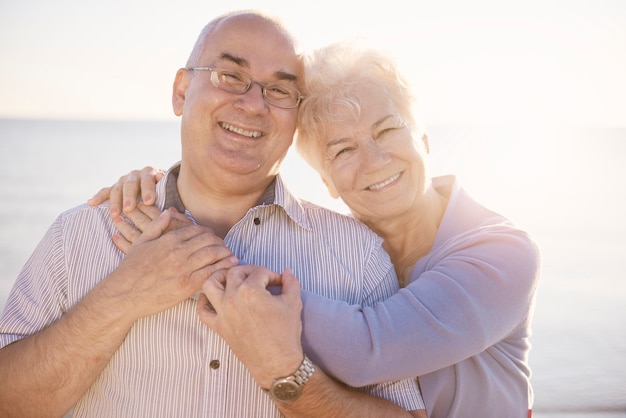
<point>462,324</point>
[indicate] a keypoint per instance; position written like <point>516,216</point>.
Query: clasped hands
<point>262,328</point>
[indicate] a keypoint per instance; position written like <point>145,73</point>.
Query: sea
<point>564,184</point>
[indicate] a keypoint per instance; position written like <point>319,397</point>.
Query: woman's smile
<point>384,183</point>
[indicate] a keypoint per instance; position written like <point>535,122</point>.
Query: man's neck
<point>219,205</point>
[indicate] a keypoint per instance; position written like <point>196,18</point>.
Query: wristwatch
<point>288,389</point>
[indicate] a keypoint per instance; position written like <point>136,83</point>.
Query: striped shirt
<point>170,364</point>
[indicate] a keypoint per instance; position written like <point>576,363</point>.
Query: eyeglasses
<point>276,94</point>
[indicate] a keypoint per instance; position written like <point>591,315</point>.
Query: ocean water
<point>563,184</point>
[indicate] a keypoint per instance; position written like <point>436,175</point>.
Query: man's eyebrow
<point>282,75</point>
<point>243,63</point>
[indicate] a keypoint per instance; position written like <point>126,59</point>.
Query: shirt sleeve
<point>471,294</point>
<point>405,393</point>
<point>37,297</point>
<point>379,283</point>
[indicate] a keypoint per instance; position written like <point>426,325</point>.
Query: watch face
<point>285,390</point>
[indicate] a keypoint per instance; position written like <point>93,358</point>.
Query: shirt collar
<point>276,193</point>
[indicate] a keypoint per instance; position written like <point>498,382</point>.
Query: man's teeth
<point>251,134</point>
<point>384,183</point>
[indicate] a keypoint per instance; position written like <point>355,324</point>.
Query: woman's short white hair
<point>333,76</point>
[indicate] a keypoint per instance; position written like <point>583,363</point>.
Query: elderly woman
<point>462,320</point>
<point>462,323</point>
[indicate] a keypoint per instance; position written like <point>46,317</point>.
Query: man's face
<point>239,136</point>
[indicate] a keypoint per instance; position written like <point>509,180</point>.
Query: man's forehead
<point>253,30</point>
<point>252,43</point>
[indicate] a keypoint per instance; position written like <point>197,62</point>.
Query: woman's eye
<point>343,152</point>
<point>386,131</point>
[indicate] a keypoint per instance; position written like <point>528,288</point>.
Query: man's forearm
<point>46,373</point>
<point>325,397</point>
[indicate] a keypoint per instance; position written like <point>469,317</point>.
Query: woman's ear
<point>178,92</point>
<point>331,189</point>
<point>426,142</point>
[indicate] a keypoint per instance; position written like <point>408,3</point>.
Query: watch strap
<point>304,372</point>
<point>289,388</point>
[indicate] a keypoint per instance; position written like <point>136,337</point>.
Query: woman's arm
<point>248,316</point>
<point>473,296</point>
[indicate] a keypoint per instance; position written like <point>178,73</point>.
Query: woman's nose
<point>375,154</point>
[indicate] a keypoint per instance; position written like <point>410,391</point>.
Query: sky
<point>480,62</point>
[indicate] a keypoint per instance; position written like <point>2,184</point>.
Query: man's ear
<point>178,92</point>
<point>331,189</point>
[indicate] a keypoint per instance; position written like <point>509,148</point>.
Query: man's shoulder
<point>311,207</point>
<point>85,217</point>
<point>321,216</point>
<point>85,209</point>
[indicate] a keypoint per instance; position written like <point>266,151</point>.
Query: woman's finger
<point>139,219</point>
<point>122,243</point>
<point>126,231</point>
<point>130,190</point>
<point>149,177</point>
<point>155,229</point>
<point>151,212</point>
<point>100,197</point>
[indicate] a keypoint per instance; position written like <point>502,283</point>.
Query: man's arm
<point>325,397</point>
<point>44,374</point>
<point>239,307</point>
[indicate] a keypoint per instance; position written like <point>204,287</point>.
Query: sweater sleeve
<point>473,291</point>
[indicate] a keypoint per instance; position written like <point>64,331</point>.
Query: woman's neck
<point>410,236</point>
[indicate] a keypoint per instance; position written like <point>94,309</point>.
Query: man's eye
<point>278,90</point>
<point>231,78</point>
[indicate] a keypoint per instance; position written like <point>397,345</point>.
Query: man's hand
<point>163,269</point>
<point>125,193</point>
<point>262,329</point>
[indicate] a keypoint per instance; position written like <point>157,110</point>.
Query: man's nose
<point>253,100</point>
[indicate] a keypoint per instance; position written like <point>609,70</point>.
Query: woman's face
<point>374,164</point>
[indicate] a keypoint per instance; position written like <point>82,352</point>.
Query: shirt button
<point>214,364</point>
<point>257,221</point>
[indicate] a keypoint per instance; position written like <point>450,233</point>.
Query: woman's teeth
<point>384,183</point>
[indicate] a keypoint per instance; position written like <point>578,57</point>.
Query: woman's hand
<point>124,194</point>
<point>134,223</point>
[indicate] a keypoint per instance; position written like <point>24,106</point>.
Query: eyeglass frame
<point>216,83</point>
